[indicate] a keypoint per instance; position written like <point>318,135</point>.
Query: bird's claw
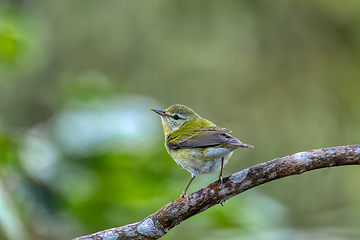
<point>185,195</point>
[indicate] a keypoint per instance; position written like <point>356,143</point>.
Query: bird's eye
<point>176,117</point>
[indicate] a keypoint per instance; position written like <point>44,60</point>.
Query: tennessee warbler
<point>196,144</point>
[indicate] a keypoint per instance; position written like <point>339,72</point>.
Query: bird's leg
<point>221,170</point>
<point>184,192</point>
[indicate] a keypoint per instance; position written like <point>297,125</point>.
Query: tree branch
<point>159,223</point>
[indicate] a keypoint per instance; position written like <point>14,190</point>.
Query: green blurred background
<point>80,150</point>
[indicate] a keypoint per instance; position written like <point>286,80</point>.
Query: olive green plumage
<point>196,144</point>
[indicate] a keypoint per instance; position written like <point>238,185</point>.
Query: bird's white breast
<point>198,161</point>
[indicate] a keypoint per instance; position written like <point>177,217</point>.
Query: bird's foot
<point>185,195</point>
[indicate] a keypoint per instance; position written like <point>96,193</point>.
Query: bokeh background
<point>80,150</point>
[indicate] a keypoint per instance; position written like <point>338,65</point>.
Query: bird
<point>195,143</point>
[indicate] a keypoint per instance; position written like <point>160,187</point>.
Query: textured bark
<point>159,223</point>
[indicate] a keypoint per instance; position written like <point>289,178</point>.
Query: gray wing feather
<point>210,136</point>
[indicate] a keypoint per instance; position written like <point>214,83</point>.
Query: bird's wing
<point>203,137</point>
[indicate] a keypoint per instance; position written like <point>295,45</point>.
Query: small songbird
<point>196,144</point>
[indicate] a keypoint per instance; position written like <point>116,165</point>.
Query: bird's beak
<point>160,112</point>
